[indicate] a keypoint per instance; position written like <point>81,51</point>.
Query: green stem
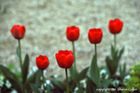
<point>96,53</point>
<point>43,82</point>
<point>73,47</point>
<point>20,57</point>
<point>115,40</point>
<point>67,80</point>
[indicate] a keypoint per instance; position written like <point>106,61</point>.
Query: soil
<point>46,22</point>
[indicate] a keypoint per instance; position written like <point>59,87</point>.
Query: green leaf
<point>91,86</point>
<point>105,83</point>
<point>71,70</point>
<point>12,78</point>
<point>120,54</point>
<point>82,74</point>
<point>35,78</point>
<point>34,88</point>
<point>48,89</point>
<point>123,71</point>
<point>94,72</point>
<point>25,68</point>
<point>59,84</point>
<point>38,75</point>
<point>111,65</point>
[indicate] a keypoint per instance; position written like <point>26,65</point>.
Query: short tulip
<point>42,62</point>
<point>18,31</point>
<point>72,33</point>
<point>65,58</point>
<point>115,26</point>
<point>95,35</point>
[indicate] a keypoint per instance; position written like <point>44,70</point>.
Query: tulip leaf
<point>94,71</point>
<point>91,86</point>
<point>71,70</point>
<point>120,54</point>
<point>112,61</point>
<point>105,83</point>
<point>35,78</point>
<point>34,88</point>
<point>12,78</point>
<point>111,65</point>
<point>25,68</point>
<point>59,84</point>
<point>82,74</point>
<point>123,71</point>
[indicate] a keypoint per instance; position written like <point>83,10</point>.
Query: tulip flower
<point>65,60</point>
<point>115,27</point>
<point>18,31</point>
<point>95,35</point>
<point>72,33</point>
<point>42,62</point>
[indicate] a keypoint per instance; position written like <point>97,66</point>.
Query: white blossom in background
<point>1,77</point>
<point>42,87</point>
<point>103,74</point>
<point>115,83</point>
<point>35,68</point>
<point>75,90</point>
<point>1,83</point>
<point>8,84</point>
<point>14,91</point>
<point>55,76</point>
<point>83,82</point>
<point>125,79</point>
<point>48,82</point>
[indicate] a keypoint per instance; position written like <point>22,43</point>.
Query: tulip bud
<point>65,58</point>
<point>42,62</point>
<point>72,33</point>
<point>95,35</point>
<point>18,31</point>
<point>115,26</point>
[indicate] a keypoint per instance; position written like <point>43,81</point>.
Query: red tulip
<point>65,58</point>
<point>95,35</point>
<point>18,31</point>
<point>72,33</point>
<point>115,26</point>
<point>42,62</point>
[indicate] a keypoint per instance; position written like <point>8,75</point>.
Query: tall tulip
<point>115,27</point>
<point>72,34</point>
<point>95,36</point>
<point>65,60</point>
<point>18,32</point>
<point>42,62</point>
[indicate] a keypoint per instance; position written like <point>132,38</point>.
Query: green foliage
<point>26,85</point>
<point>112,61</point>
<point>25,68</point>
<point>123,71</point>
<point>94,72</point>
<point>12,78</point>
<point>134,80</point>
<point>91,86</point>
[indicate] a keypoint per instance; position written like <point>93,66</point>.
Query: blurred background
<point>46,22</point>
